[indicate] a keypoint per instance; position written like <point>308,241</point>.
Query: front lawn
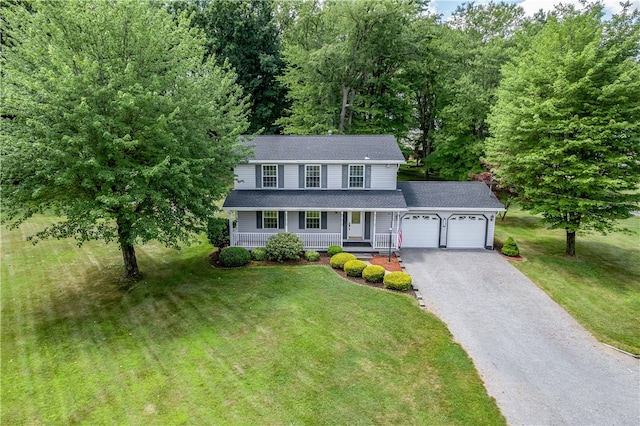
<point>191,344</point>
<point>600,288</point>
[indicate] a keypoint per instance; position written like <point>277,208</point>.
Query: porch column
<point>231,234</point>
<point>341,227</point>
<point>286,221</point>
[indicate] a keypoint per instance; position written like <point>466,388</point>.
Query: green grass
<point>195,345</point>
<point>600,287</point>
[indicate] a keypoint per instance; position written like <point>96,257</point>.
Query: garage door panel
<point>466,231</point>
<point>420,230</point>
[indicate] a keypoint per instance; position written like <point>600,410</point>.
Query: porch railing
<point>310,241</point>
<point>381,241</point>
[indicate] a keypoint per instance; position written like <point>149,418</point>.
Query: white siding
<point>383,177</point>
<point>247,222</point>
<point>246,176</point>
<point>291,176</point>
<point>334,176</point>
<point>383,222</point>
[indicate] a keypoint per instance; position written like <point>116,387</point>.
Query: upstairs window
<point>312,220</point>
<point>312,176</point>
<point>269,176</point>
<point>270,220</point>
<point>356,176</point>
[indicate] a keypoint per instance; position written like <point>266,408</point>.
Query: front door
<point>354,225</point>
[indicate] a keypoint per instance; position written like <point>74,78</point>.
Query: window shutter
<point>344,225</point>
<point>281,220</point>
<point>259,220</point>
<point>323,220</point>
<point>258,176</point>
<point>323,173</point>
<point>301,224</point>
<point>345,175</point>
<point>280,176</point>
<point>301,176</point>
<point>367,176</point>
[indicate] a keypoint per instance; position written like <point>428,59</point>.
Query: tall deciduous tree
<point>474,44</point>
<point>566,127</point>
<point>344,62</point>
<point>112,120</point>
<point>245,33</point>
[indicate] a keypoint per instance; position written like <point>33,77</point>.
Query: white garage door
<point>466,231</point>
<point>420,230</point>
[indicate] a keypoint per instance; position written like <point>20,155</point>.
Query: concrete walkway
<point>541,366</point>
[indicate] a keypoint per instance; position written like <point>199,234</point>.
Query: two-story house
<point>343,190</point>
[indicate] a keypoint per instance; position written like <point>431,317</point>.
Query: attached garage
<point>466,231</point>
<point>449,215</point>
<point>420,230</point>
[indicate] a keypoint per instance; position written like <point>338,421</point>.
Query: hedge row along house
<point>343,190</point>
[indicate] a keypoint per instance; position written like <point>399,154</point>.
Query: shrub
<point>334,250</point>
<point>337,261</point>
<point>312,256</point>
<point>284,246</point>
<point>234,256</point>
<point>373,273</point>
<point>397,281</point>
<point>510,248</point>
<point>259,253</point>
<point>354,268</point>
<point>218,232</point>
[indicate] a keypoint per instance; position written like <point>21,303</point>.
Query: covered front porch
<point>379,231</point>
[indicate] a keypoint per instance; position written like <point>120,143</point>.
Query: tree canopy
<point>114,119</point>
<point>566,125</point>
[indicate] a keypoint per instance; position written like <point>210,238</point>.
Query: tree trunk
<point>343,110</point>
<point>570,249</point>
<point>131,271</point>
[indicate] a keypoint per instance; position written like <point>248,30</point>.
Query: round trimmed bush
<point>337,261</point>
<point>284,246</point>
<point>334,250</point>
<point>259,253</point>
<point>232,257</point>
<point>354,268</point>
<point>312,255</point>
<point>400,281</point>
<point>510,248</point>
<point>373,273</point>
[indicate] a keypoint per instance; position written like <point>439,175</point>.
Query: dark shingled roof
<point>315,199</point>
<point>449,195</point>
<point>326,148</point>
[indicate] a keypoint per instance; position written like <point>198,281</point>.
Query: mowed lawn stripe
<point>194,344</point>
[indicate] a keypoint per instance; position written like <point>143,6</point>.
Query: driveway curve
<point>537,361</point>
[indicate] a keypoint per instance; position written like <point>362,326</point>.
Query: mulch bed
<point>391,266</point>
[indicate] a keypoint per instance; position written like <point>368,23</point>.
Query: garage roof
<point>387,200</point>
<point>459,195</point>
<point>326,149</point>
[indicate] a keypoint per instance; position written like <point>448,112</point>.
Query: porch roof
<point>293,200</point>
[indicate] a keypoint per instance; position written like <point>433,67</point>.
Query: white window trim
<point>306,218</point>
<point>319,176</point>
<point>350,176</point>
<point>264,216</point>
<point>276,176</point>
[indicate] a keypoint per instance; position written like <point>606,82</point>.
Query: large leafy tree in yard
<point>113,120</point>
<point>245,33</point>
<point>566,127</point>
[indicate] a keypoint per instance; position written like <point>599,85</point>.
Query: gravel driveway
<point>541,366</point>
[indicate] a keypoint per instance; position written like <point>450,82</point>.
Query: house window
<point>269,176</point>
<point>312,176</point>
<point>312,220</point>
<point>270,220</point>
<point>356,176</point>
